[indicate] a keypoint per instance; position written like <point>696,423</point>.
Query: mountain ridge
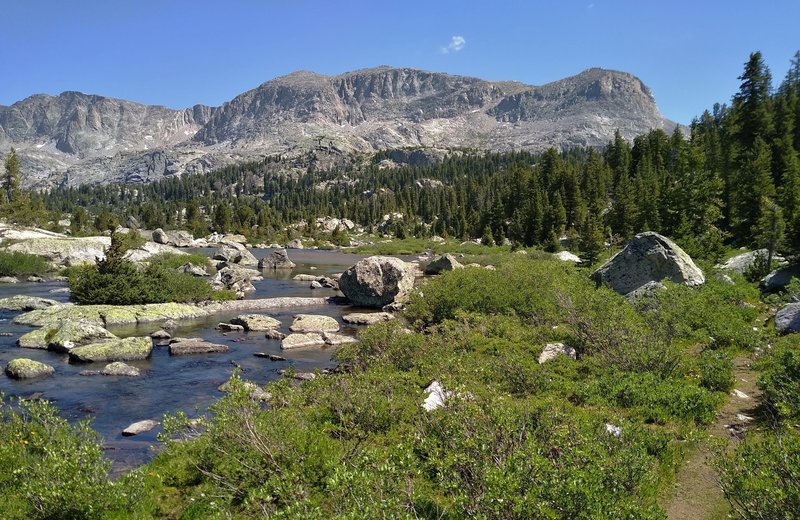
<point>75,138</point>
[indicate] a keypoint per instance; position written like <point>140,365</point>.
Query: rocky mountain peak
<point>75,137</point>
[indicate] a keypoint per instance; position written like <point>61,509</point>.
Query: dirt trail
<point>696,495</point>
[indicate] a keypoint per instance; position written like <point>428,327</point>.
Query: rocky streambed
<point>168,383</point>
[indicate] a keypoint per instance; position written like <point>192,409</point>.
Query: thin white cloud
<point>456,44</point>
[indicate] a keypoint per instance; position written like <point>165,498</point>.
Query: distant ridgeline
<point>735,178</point>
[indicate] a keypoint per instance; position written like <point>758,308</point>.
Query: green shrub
<point>715,369</point>
<point>51,469</point>
<point>17,264</point>
<point>117,281</point>
<point>780,379</point>
<point>175,261</point>
<point>761,478</point>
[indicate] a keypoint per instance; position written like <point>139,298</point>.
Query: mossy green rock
<point>73,334</point>
<point>128,349</point>
<point>35,338</point>
<point>24,368</point>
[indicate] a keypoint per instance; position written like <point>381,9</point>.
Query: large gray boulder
<point>160,236</point>
<point>278,259</point>
<point>741,263</point>
<point>648,257</point>
<point>235,278</point>
<point>446,262</point>
<point>377,281</point>
<point>235,253</point>
<point>778,280</point>
<point>788,319</point>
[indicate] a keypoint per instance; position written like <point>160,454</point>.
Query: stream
<point>169,384</point>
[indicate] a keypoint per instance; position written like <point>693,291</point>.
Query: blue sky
<point>178,53</point>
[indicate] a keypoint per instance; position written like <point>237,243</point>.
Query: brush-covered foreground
<point>595,437</point>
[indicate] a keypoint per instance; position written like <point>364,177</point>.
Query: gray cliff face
<point>76,138</point>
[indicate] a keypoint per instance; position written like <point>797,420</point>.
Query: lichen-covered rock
<point>367,318</point>
<point>75,333</point>
<point>310,339</point>
<point>314,323</point>
<point>112,315</point>
<point>35,338</point>
<point>446,262</point>
<point>644,291</point>
<point>256,322</point>
<point>278,259</point>
<point>648,257</point>
<point>187,346</point>
<point>377,281</point>
<point>118,368</point>
<point>127,349</point>
<point>787,320</point>
<point>295,244</point>
<point>552,350</point>
<point>23,368</point>
<point>25,303</point>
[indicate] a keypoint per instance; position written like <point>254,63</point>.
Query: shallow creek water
<point>170,384</point>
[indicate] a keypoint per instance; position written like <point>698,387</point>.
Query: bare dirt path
<point>696,494</point>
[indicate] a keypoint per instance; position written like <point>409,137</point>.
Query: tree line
<point>731,178</point>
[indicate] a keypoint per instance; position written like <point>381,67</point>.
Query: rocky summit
<point>74,138</point>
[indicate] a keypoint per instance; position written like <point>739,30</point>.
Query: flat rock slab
<point>334,339</point>
<point>139,427</point>
<point>34,339</point>
<point>256,322</point>
<point>314,323</point>
<point>266,304</point>
<point>23,368</point>
<point>367,318</point>
<point>127,349</point>
<point>310,339</point>
<point>184,346</point>
<point>26,303</point>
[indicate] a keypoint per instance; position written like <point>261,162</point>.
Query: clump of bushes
<point>118,281</point>
<point>18,264</point>
<point>51,469</point>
